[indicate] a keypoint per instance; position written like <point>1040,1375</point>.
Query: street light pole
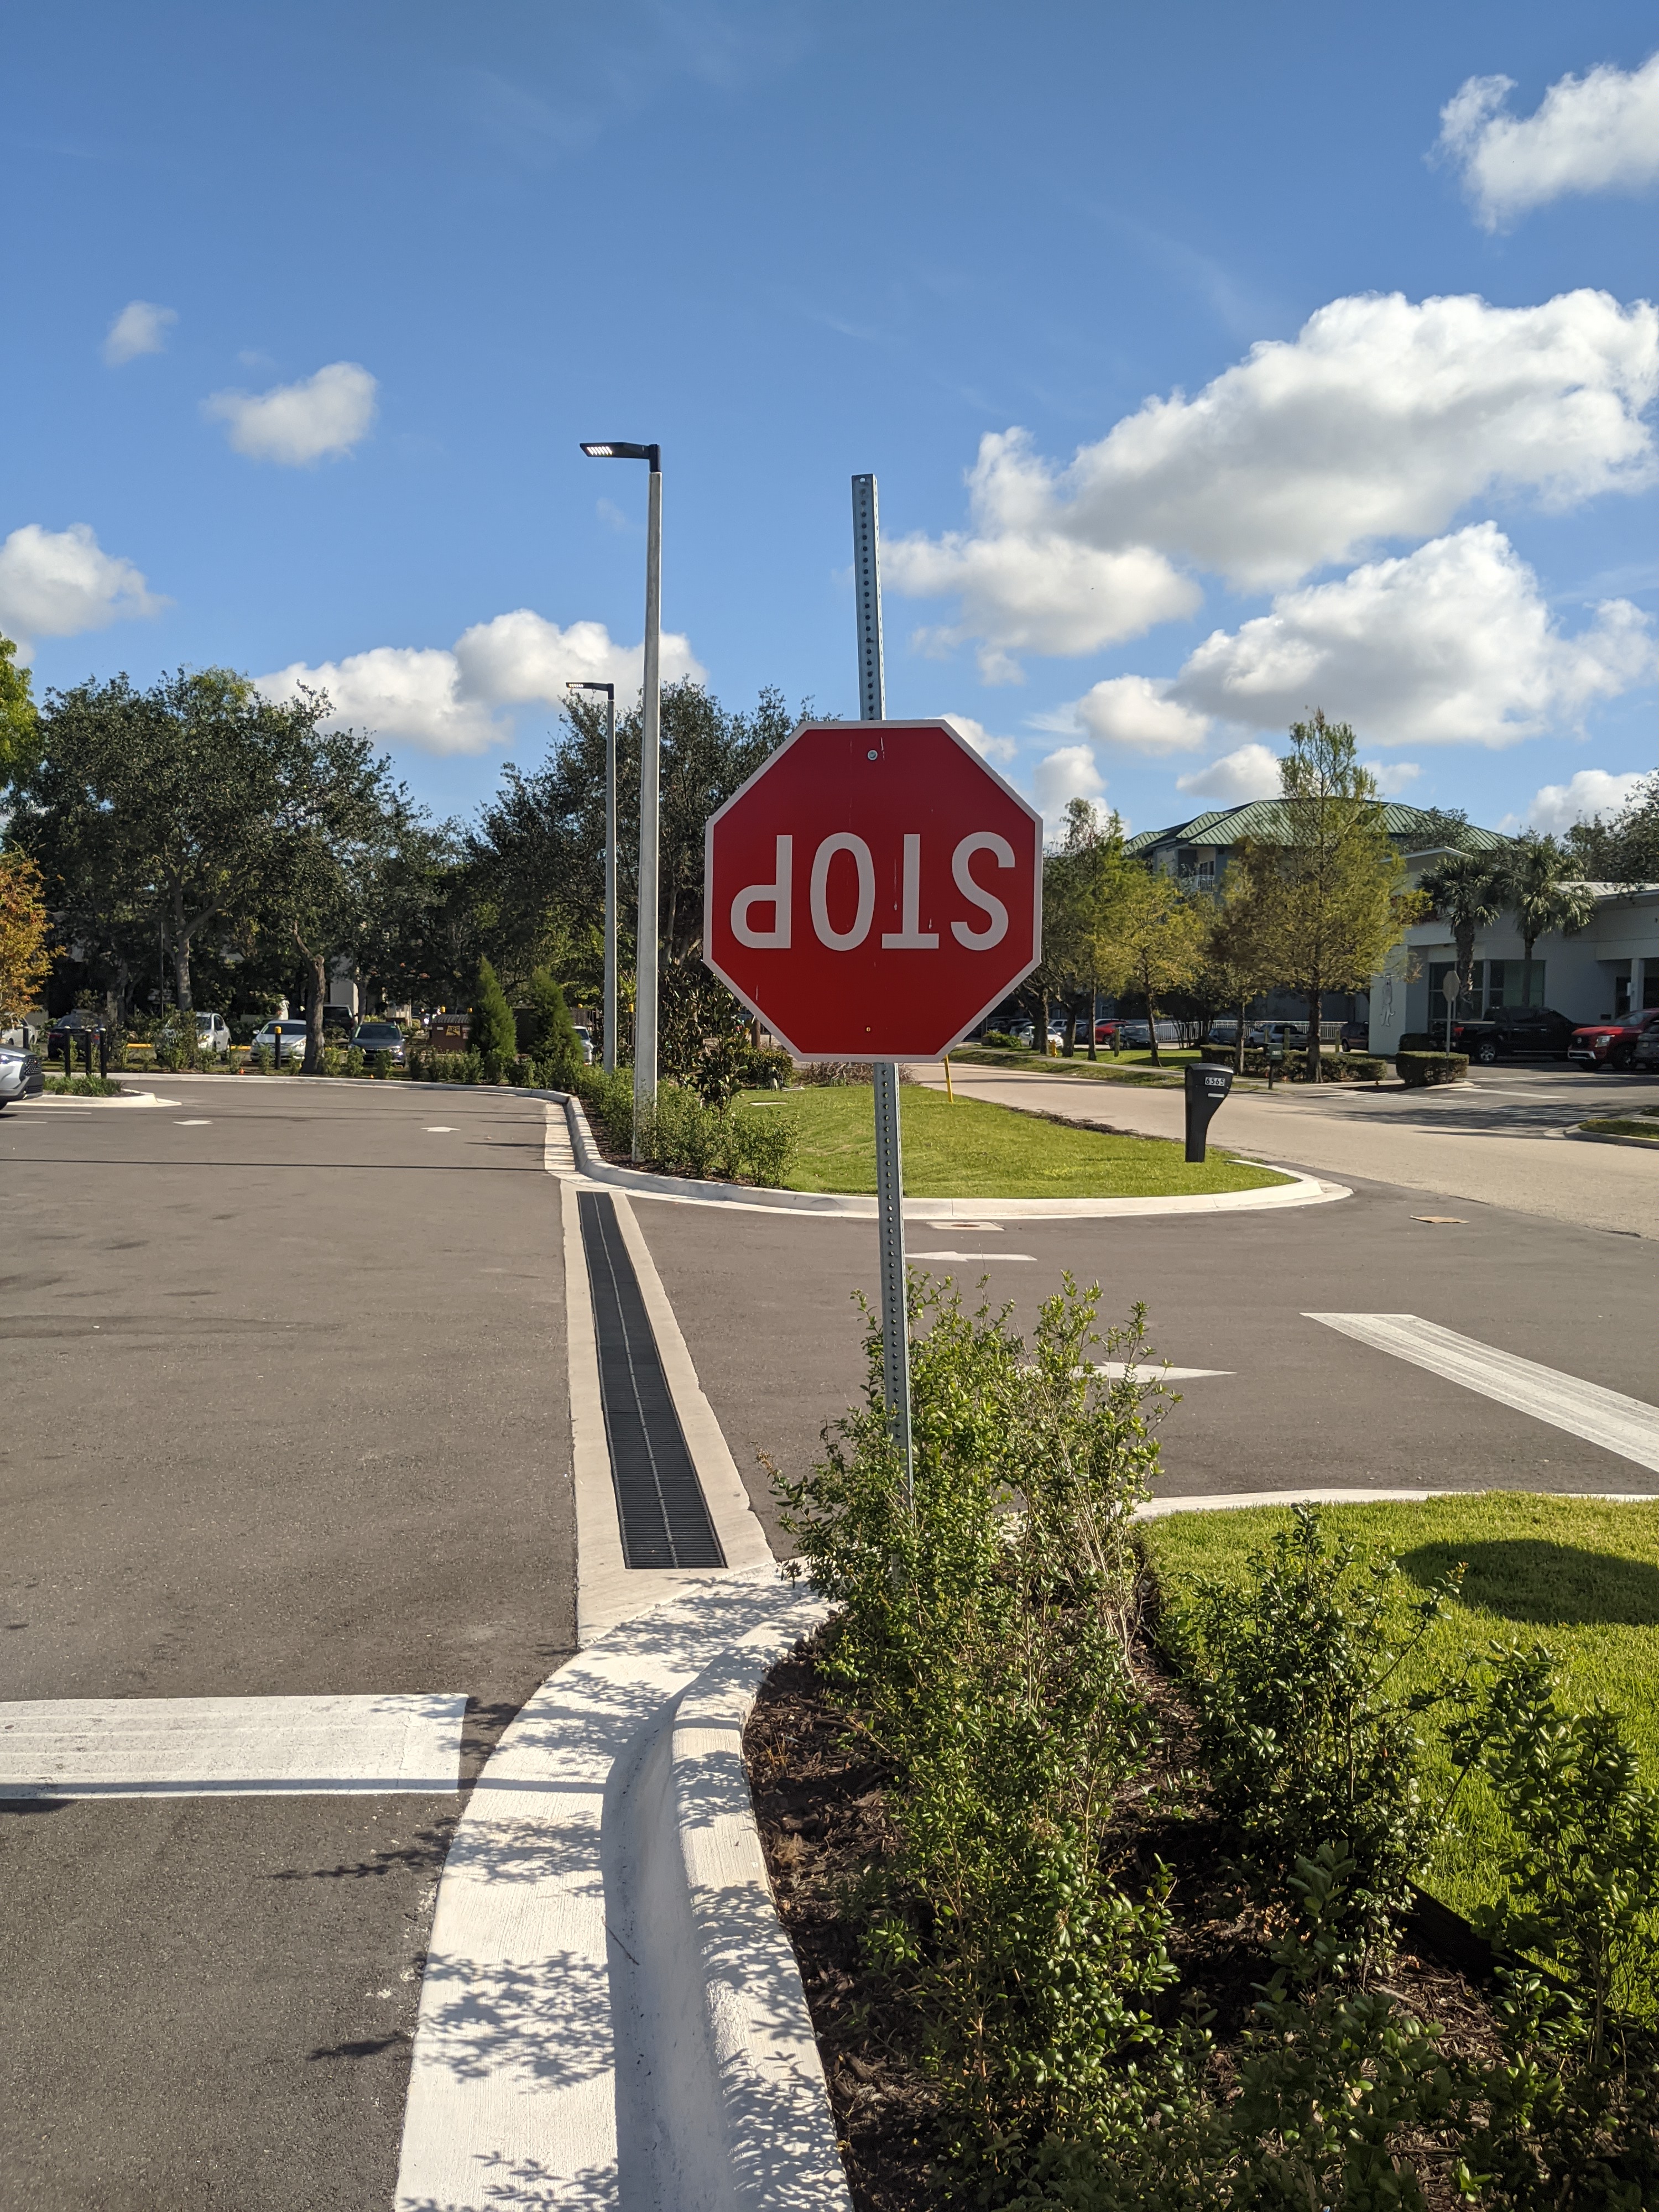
<point>609,1017</point>
<point>644,957</point>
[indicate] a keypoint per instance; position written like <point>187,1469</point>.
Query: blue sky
<point>1295,393</point>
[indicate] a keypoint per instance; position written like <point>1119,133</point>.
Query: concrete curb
<point>611,2012</point>
<point>1300,1190</point>
<point>1600,1137</point>
<point>776,2144</point>
<point>1224,1501</point>
<point>59,1099</point>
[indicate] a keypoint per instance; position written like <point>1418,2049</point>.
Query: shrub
<point>1304,1742</point>
<point>1419,1069</point>
<point>1000,1041</point>
<point>355,1061</point>
<point>83,1086</point>
<point>336,1059</point>
<point>683,1136</point>
<point>379,1064</point>
<point>609,1100</point>
<point>263,1059</point>
<point>176,1045</point>
<point>493,1034</point>
<point>982,1650</point>
<point>547,1033</point>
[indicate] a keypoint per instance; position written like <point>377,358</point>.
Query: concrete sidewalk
<point>1386,1138</point>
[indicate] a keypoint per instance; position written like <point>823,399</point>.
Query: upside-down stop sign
<point>873,890</point>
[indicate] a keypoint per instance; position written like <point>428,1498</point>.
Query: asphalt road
<point>767,1306</point>
<point>1496,1140</point>
<point>286,1413</point>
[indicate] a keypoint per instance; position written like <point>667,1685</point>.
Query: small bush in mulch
<point>1420,1070</point>
<point>1103,1895</point>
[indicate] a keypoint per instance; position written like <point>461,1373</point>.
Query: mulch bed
<point>819,1802</point>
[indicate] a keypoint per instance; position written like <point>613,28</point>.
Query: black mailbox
<point>1206,1088</point>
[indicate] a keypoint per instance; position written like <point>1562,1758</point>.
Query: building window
<point>1507,984</point>
<point>1468,1002</point>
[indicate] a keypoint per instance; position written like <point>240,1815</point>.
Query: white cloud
<point>1069,773</point>
<point>1393,776</point>
<point>460,701</point>
<point>1598,133</point>
<point>987,746</point>
<point>1251,772</point>
<point>323,416</point>
<point>1039,592</point>
<point>1380,420</point>
<point>55,583</point>
<point>1591,792</point>
<point>141,327</point>
<point>1137,713</point>
<point>1452,644</point>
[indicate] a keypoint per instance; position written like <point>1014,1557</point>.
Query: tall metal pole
<point>610,879</point>
<point>645,985</point>
<point>890,1168</point>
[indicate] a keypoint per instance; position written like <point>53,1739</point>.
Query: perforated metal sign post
<point>872,892</point>
<point>1206,1088</point>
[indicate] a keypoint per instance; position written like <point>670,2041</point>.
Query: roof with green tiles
<point>1265,819</point>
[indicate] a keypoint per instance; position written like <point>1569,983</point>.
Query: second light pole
<point>645,956</point>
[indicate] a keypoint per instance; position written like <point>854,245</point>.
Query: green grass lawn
<point>1642,1124</point>
<point>1127,1067</point>
<point>971,1150</point>
<point>1580,1575</point>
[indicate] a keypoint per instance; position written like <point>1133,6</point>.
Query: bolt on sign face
<point>873,890</point>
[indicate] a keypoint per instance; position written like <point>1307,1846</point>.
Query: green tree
<point>340,822</point>
<point>1084,884</point>
<point>166,799</point>
<point>551,1038</point>
<point>1468,892</point>
<point>1541,882</point>
<point>1335,887</point>
<point>20,741</point>
<point>494,1033</point>
<point>1156,942</point>
<point>1623,848</point>
<point>1239,949</point>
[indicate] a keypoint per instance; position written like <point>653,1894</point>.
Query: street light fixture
<point>645,955</point>
<point>610,691</point>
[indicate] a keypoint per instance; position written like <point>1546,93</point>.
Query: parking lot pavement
<point>1496,1140</point>
<point>766,1301</point>
<point>285,1417</point>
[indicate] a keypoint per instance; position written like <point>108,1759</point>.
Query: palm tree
<point>1469,891</point>
<point>1540,882</point>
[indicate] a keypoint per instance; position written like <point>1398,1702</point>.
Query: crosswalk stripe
<point>1628,1426</point>
<point>229,1747</point>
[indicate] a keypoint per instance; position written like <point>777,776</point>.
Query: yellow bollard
<point>949,1092</point>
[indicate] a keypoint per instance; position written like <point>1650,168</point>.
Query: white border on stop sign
<point>890,727</point>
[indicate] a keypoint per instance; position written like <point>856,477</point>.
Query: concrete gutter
<point>1300,1190</point>
<point>611,2013</point>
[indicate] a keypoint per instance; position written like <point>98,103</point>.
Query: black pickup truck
<point>1514,1032</point>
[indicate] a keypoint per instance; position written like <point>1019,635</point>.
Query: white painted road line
<point>1628,1426</point>
<point>1118,1369</point>
<point>229,1747</point>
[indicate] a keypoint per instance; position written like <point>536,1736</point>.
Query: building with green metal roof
<point>1199,848</point>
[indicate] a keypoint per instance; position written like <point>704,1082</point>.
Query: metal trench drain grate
<point>665,1520</point>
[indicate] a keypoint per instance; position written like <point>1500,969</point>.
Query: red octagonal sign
<point>873,890</point>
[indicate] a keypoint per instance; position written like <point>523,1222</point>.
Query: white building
<point>1605,970</point>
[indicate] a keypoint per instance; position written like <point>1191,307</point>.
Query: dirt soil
<point>819,1801</point>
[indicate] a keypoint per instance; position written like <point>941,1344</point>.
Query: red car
<point>1610,1044</point>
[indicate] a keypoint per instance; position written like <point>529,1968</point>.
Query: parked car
<point>1356,1037</point>
<point>1611,1044</point>
<point>76,1026</point>
<point>339,1023</point>
<point>285,1039</point>
<point>1293,1036</point>
<point>1221,1032</point>
<point>25,1035</point>
<point>379,1037</point>
<point>1137,1036</point>
<point>212,1033</point>
<point>22,1075</point>
<point>1514,1033</point>
<point>1646,1054</point>
<point>585,1039</point>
